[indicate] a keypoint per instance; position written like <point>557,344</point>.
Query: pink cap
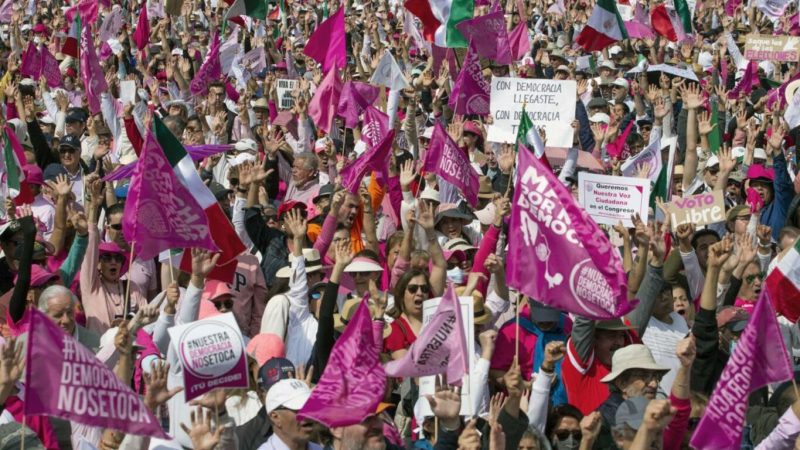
<point>112,247</point>
<point>39,276</point>
<point>33,174</point>
<point>207,309</point>
<point>757,171</point>
<point>215,289</point>
<point>265,346</point>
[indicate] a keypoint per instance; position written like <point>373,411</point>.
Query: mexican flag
<point>73,39</point>
<point>672,23</point>
<point>714,138</point>
<point>528,135</point>
<point>12,176</point>
<point>222,231</point>
<point>783,284</point>
<point>439,19</point>
<point>256,9</point>
<point>604,28</point>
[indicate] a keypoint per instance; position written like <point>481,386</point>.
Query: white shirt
<point>662,340</point>
<point>302,330</point>
<point>44,212</point>
<point>275,443</point>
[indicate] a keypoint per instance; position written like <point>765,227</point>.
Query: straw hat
<point>349,308</point>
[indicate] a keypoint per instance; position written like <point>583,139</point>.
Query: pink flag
<point>209,71</point>
<point>94,80</point>
<point>322,107</point>
<point>440,348</point>
<point>160,212</point>
<point>446,159</point>
<point>50,69</point>
<point>87,9</point>
<point>585,277</point>
<point>356,96</point>
<point>31,62</point>
<point>489,35</point>
<point>375,159</point>
<point>327,44</point>
<point>760,358</point>
<point>616,148</point>
<point>519,41</point>
<point>142,33</point>
<point>353,383</point>
<point>730,7</point>
<point>747,83</point>
<point>112,24</point>
<point>471,91</point>
<point>376,125</point>
<point>439,56</point>
<point>55,385</point>
<point>6,11</point>
<point>522,10</point>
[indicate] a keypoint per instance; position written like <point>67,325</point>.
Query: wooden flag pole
<point>126,303</point>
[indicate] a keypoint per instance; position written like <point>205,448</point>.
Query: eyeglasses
<point>563,435</point>
<point>713,170</point>
<point>227,304</point>
<point>751,278</point>
<point>115,226</point>
<point>111,257</point>
<point>646,375</point>
<point>412,288</point>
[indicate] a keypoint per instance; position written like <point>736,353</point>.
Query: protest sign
<point>610,200</point>
<point>549,104</point>
<point>654,70</point>
<point>64,379</point>
<point>764,47</point>
<point>701,209</point>
<point>212,355</point>
<point>427,385</point>
<point>285,89</point>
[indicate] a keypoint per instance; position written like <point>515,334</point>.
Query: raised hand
<point>203,262</point>
<point>590,425</point>
<point>201,433</point>
<point>719,252</point>
<point>61,186</point>
<point>157,393</point>
<point>704,125</point>
<point>686,350</point>
<point>554,351</point>
<point>658,414</point>
<point>469,439</point>
<point>506,158</point>
<point>407,175</point>
<point>446,403</point>
<point>425,219</point>
<point>295,223</point>
<point>692,96</point>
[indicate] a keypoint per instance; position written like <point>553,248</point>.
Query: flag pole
<point>128,287</point>
<point>516,319</point>
<point>796,393</point>
<point>171,268</point>
<point>22,441</point>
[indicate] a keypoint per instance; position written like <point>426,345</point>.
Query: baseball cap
<point>324,191</point>
<point>274,370</point>
<point>219,191</point>
<point>52,171</point>
<point>33,174</point>
<point>542,313</point>
<point>631,412</point>
<point>289,393</point>
<point>70,141</point>
<point>621,82</point>
<point>264,347</point>
<point>600,117</point>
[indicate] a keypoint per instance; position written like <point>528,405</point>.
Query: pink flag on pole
<point>50,69</point>
<point>353,383</point>
<point>446,159</point>
<point>94,80</point>
<point>356,96</point>
<point>440,348</point>
<point>111,25</point>
<point>561,258</point>
<point>322,107</point>
<point>489,35</point>
<point>375,159</point>
<point>327,44</point>
<point>88,10</point>
<point>209,71</point>
<point>160,212</point>
<point>142,33</point>
<point>54,386</point>
<point>760,358</point>
<point>471,91</point>
<point>31,62</point>
<point>519,41</point>
<point>747,83</point>
<point>376,125</point>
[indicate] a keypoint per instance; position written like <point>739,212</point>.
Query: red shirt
<point>582,380</point>
<point>401,337</point>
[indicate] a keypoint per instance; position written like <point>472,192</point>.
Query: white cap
<point>177,52</point>
<point>429,194</point>
<point>600,117</point>
<point>246,145</point>
<point>608,65</point>
<point>759,153</point>
<point>290,394</point>
<point>712,161</point>
<point>621,82</point>
<point>738,152</point>
<point>706,60</point>
<point>562,68</point>
<point>360,148</point>
<point>241,158</point>
<point>428,133</point>
<point>767,67</point>
<point>614,50</point>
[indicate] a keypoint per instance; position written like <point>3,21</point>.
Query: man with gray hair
<point>58,303</point>
<point>304,183</point>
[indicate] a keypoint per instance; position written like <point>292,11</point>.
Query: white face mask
<point>570,443</point>
<point>456,275</point>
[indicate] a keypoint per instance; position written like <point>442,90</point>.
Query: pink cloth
<point>746,304</point>
<point>39,424</point>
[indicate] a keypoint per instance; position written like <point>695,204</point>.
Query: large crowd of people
<point>240,87</point>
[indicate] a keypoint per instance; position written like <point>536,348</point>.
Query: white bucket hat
<point>635,356</point>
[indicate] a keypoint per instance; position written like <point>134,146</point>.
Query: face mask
<point>456,275</point>
<point>570,443</point>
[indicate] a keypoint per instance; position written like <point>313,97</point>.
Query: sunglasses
<point>412,288</point>
<point>115,226</point>
<point>271,217</point>
<point>713,170</point>
<point>563,435</point>
<point>65,150</point>
<point>751,278</point>
<point>227,304</point>
<point>112,257</point>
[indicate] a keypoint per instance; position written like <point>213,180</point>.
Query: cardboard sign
<point>212,354</point>
<point>763,47</point>
<point>427,385</point>
<point>610,200</point>
<point>549,104</point>
<point>701,209</point>
<point>285,89</point>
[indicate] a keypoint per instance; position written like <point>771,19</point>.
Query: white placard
<point>127,91</point>
<point>672,70</point>
<point>427,385</point>
<point>549,103</point>
<point>610,200</point>
<point>285,88</point>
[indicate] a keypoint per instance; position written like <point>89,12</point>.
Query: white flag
<point>388,74</point>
